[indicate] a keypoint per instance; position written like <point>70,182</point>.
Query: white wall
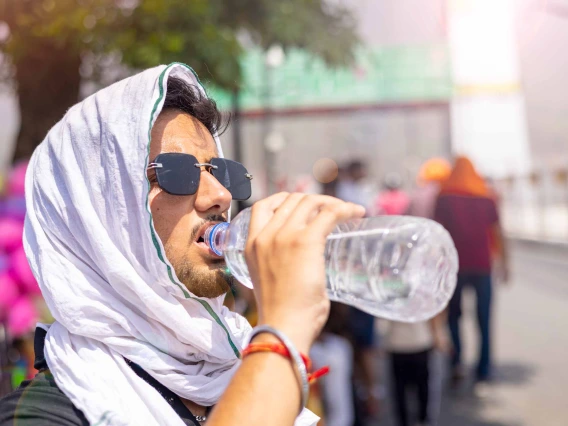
<point>488,109</point>
<point>543,48</point>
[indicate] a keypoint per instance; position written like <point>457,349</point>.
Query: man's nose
<point>212,197</point>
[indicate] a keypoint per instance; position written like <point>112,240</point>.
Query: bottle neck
<point>214,237</point>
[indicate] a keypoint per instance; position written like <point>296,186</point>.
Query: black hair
<point>355,165</point>
<point>188,98</point>
<point>392,182</point>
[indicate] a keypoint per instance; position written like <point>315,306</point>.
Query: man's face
<point>180,220</point>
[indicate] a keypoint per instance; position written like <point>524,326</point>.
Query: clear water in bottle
<point>397,267</point>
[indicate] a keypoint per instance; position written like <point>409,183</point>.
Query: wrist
<point>290,349</point>
<point>301,341</point>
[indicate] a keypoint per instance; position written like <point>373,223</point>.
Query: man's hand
<point>285,257</point>
<point>501,262</point>
<point>505,274</point>
<point>501,272</point>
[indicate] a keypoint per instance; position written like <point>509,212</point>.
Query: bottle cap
<point>212,237</point>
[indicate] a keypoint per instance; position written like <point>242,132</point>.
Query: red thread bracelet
<point>280,349</point>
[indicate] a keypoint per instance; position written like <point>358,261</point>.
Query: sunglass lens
<point>234,177</point>
<point>177,174</point>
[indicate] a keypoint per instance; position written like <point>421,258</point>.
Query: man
<point>467,209</point>
<point>119,195</point>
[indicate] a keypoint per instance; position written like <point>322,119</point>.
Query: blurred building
<point>393,106</point>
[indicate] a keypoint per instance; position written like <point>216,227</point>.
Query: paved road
<point>531,348</point>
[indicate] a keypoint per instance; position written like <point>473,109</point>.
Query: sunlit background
<point>389,82</point>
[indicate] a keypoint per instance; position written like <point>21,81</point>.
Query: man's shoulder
<point>39,402</point>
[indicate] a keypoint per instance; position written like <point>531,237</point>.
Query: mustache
<point>210,218</point>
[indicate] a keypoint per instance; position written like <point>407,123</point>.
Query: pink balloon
<point>15,208</point>
<point>17,179</point>
<point>22,318</point>
<point>9,292</point>
<point>11,234</point>
<point>4,262</point>
<point>23,273</point>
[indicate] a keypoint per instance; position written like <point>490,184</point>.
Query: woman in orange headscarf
<point>466,208</point>
<point>464,180</point>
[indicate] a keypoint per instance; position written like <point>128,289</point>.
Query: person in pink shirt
<point>392,201</point>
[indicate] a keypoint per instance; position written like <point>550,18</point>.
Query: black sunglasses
<point>178,174</point>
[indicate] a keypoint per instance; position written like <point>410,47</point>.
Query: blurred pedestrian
<point>468,211</point>
<point>366,385</point>
<point>430,178</point>
<point>392,200</point>
<point>331,181</point>
<point>334,349</point>
<point>354,187</point>
<point>409,347</point>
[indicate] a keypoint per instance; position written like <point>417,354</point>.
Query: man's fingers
<point>262,211</point>
<point>286,214</point>
<point>308,208</point>
<point>332,215</point>
<point>283,213</point>
<point>261,214</point>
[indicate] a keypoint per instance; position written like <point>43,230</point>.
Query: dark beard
<point>213,283</point>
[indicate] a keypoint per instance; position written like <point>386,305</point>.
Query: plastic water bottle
<point>400,268</point>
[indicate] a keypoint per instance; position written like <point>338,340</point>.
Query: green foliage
<point>202,33</point>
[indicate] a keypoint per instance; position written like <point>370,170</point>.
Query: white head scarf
<point>91,243</point>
